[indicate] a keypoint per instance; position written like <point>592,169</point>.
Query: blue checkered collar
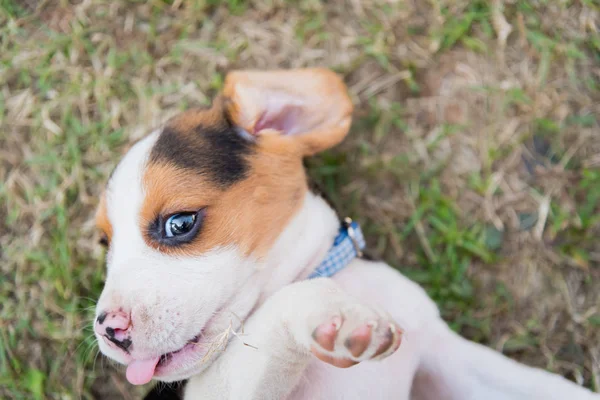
<point>347,245</point>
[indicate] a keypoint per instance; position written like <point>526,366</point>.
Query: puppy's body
<point>433,363</point>
<point>211,222</point>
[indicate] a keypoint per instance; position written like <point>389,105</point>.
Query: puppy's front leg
<point>302,320</point>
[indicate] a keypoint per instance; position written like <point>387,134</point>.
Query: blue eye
<point>176,229</point>
<point>180,224</point>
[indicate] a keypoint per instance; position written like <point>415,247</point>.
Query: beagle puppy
<point>226,269</point>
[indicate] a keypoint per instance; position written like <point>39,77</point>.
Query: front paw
<point>355,334</point>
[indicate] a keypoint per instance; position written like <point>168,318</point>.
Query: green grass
<point>458,28</point>
<point>77,88</point>
<point>448,247</point>
<point>575,234</point>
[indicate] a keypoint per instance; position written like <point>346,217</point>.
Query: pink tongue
<point>140,372</point>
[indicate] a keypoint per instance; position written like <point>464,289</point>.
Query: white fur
<point>172,298</point>
<point>433,363</point>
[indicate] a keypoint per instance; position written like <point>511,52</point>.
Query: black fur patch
<point>218,152</point>
<point>171,391</point>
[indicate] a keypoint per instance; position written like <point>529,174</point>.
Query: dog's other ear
<point>309,106</point>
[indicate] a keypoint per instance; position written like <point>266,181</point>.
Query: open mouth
<point>166,358</point>
<point>174,363</point>
<point>140,372</point>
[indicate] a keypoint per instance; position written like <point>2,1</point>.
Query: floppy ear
<point>310,106</point>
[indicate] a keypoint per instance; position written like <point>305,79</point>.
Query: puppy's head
<point>193,208</point>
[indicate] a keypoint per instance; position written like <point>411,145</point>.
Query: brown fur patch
<point>322,104</point>
<point>249,189</point>
<point>102,221</point>
<point>250,214</point>
<point>191,119</point>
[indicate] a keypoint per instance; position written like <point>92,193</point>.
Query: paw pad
<point>344,342</point>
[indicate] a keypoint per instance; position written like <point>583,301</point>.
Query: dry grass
<point>473,163</point>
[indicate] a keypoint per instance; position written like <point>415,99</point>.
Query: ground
<point>473,163</point>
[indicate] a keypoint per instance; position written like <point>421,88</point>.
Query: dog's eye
<point>180,224</point>
<point>176,229</point>
<point>103,240</point>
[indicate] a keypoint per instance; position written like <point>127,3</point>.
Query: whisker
<point>90,299</point>
<point>95,360</point>
<point>90,343</point>
<point>85,340</point>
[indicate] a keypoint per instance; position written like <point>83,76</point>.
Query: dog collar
<point>347,245</point>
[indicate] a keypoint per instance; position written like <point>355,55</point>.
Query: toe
<point>325,334</point>
<point>336,362</point>
<point>359,340</point>
<point>397,338</point>
<point>391,340</point>
<point>386,343</point>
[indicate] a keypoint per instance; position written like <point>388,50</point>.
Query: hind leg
<point>454,368</point>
